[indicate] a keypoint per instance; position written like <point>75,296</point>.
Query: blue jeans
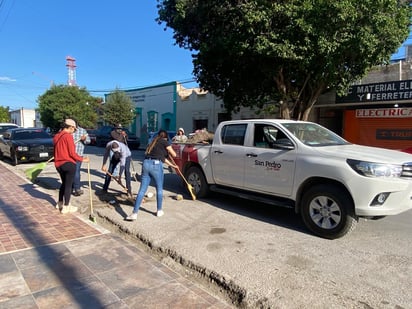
<point>76,180</point>
<point>127,174</point>
<point>151,169</point>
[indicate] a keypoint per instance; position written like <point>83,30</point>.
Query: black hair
<point>115,145</point>
<point>161,134</point>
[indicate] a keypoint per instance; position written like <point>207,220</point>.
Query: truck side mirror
<point>284,143</point>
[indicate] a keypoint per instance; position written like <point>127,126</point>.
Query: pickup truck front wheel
<point>195,177</point>
<point>328,212</point>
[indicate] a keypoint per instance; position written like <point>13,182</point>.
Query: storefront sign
<point>390,91</point>
<point>394,134</point>
<point>384,113</point>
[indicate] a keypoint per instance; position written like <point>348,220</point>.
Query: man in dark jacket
<point>119,134</point>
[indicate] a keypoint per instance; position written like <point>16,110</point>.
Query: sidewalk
<point>49,260</point>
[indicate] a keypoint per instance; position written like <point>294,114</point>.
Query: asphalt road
<point>261,256</point>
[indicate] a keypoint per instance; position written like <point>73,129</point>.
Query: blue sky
<point>115,44</point>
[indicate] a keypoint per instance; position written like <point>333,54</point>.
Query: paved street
<point>254,255</point>
<point>49,260</point>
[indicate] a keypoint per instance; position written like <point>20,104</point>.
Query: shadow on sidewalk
<point>51,256</point>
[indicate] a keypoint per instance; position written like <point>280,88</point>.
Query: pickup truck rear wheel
<point>328,212</point>
<point>195,177</point>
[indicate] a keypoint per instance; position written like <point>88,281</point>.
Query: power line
<point>7,14</point>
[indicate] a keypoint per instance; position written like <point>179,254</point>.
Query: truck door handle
<point>251,155</point>
<point>218,151</point>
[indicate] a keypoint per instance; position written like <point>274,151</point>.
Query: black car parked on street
<point>26,145</point>
<point>103,136</point>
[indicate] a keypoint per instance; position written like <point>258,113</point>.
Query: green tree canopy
<point>118,108</point>
<point>62,101</point>
<point>4,114</point>
<point>289,52</point>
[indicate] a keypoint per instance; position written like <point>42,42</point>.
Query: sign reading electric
<point>388,133</point>
<point>390,91</point>
<point>405,112</point>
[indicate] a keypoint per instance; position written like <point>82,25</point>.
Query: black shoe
<point>78,192</point>
<point>101,192</point>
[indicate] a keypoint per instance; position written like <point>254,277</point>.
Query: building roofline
<point>154,86</point>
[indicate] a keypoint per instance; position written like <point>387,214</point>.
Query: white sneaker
<point>68,209</point>
<point>65,210</point>
<point>132,217</point>
<point>160,213</point>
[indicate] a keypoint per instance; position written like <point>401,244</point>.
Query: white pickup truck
<point>327,180</point>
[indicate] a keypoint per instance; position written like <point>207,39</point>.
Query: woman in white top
<point>180,136</point>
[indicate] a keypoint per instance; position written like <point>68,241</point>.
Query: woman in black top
<point>155,155</point>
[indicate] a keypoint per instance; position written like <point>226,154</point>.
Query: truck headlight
<point>22,148</point>
<point>371,169</point>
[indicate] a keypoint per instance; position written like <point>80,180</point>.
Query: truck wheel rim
<point>325,212</point>
<point>194,181</point>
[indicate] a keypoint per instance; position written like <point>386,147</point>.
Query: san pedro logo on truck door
<point>269,165</point>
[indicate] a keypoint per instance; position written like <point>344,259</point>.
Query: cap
<point>118,126</point>
<point>70,122</point>
<point>181,129</point>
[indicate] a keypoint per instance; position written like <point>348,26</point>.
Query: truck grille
<point>407,170</point>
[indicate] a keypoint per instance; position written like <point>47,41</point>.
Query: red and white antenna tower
<point>71,66</point>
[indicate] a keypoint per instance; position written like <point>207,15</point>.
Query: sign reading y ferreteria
<point>389,91</point>
<point>393,134</point>
<point>384,113</point>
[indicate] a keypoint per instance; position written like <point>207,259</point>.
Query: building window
<point>152,117</point>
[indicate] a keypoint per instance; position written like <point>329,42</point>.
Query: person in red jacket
<point>65,158</point>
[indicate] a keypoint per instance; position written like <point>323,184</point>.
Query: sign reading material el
<point>390,91</point>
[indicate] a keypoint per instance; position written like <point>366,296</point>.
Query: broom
<point>34,171</point>
<point>189,186</point>
<point>118,181</point>
<point>91,216</point>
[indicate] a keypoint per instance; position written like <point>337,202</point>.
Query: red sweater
<point>64,149</point>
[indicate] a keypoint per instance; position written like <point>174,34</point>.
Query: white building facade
<point>26,118</point>
<point>171,106</point>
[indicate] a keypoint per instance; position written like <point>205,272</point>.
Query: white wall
<point>195,104</point>
<point>24,117</point>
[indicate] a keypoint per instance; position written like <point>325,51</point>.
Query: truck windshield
<point>312,134</point>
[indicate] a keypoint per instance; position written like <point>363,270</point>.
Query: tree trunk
<point>284,110</point>
<point>306,113</point>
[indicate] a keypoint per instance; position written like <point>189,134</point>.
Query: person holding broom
<point>81,139</point>
<point>120,156</point>
<point>155,155</point>
<point>65,158</point>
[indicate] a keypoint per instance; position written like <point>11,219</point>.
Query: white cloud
<point>7,79</point>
